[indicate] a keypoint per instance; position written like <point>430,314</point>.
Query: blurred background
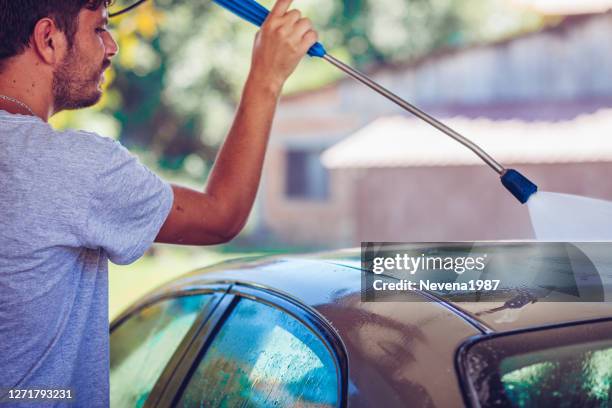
<point>529,80</point>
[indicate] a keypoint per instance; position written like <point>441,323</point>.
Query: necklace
<point>18,102</point>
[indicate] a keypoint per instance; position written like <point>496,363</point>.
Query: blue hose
<point>255,13</point>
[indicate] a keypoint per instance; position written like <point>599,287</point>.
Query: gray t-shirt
<point>69,202</point>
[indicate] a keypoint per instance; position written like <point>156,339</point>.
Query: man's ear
<point>49,41</point>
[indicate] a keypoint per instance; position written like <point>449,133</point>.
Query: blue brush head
<point>520,186</point>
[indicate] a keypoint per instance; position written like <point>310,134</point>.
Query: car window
<point>141,346</point>
<point>561,367</point>
<point>263,357</point>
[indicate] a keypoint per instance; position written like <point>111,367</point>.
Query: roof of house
<point>400,141</point>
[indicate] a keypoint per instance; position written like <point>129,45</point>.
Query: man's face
<point>78,79</point>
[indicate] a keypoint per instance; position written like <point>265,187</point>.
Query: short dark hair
<point>19,17</point>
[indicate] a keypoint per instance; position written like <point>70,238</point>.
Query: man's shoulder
<point>49,138</point>
<point>28,137</point>
<point>86,139</point>
<point>83,153</point>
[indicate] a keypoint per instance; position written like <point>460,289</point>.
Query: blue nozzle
<point>518,185</point>
<point>255,13</point>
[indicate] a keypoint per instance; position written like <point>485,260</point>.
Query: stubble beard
<point>75,85</point>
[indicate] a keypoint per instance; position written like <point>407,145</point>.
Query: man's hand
<point>219,213</point>
<point>282,42</point>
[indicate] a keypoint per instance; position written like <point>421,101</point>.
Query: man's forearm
<point>235,176</point>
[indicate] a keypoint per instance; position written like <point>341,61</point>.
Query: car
<point>297,331</point>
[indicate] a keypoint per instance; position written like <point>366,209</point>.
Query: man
<point>69,201</point>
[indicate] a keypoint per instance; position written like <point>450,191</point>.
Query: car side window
<point>141,346</point>
<point>263,356</point>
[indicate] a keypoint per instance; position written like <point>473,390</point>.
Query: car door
<point>260,349</point>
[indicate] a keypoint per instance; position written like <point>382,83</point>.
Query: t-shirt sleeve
<point>128,206</point>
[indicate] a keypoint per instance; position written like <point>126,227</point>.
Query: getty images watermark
<point>516,273</point>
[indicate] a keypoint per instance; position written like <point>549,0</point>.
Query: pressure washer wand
<point>514,181</point>
<point>416,112</point>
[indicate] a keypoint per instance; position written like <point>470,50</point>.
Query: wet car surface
<point>409,349</point>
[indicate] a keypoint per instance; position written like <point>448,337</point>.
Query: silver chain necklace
<point>18,102</point>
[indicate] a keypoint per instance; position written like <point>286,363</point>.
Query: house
<point>339,170</point>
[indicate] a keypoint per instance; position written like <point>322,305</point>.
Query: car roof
<point>385,344</point>
<point>324,280</point>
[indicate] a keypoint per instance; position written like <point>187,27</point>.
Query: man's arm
<point>220,212</point>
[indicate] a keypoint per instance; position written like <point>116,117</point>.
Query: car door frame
<point>183,364</point>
